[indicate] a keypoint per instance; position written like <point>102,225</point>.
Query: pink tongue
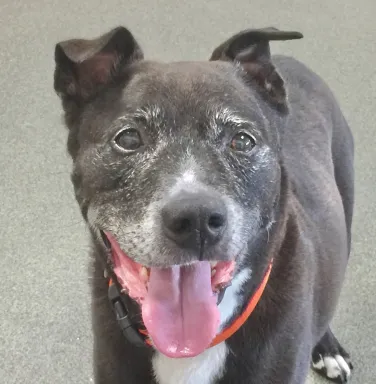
<point>180,310</point>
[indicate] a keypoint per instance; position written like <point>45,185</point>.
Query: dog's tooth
<point>213,264</point>
<point>213,272</point>
<point>144,274</point>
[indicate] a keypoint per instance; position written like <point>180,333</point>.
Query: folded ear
<point>84,67</point>
<point>250,49</point>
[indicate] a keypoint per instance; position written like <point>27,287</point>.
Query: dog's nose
<point>194,221</point>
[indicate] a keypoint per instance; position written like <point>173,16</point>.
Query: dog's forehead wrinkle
<point>195,106</point>
<point>152,113</point>
<point>186,83</point>
<point>227,115</point>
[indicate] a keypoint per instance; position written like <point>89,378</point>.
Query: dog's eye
<point>242,142</point>
<point>128,140</point>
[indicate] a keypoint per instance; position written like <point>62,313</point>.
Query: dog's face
<point>175,165</point>
<point>179,141</point>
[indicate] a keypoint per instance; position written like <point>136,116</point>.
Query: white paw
<point>335,367</point>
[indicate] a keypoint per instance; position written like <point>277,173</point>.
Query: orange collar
<point>234,327</point>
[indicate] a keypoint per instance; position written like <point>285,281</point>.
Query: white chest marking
<point>210,365</point>
<point>232,299</point>
<point>202,369</point>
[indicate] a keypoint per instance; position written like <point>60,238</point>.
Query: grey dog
<point>206,185</point>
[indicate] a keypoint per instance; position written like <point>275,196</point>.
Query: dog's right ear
<point>84,67</point>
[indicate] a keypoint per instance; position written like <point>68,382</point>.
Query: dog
<point>219,197</point>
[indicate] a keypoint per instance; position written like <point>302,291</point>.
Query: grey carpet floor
<point>45,334</point>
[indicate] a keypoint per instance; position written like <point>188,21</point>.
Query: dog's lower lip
<point>105,240</point>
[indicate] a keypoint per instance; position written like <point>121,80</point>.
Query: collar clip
<point>122,316</point>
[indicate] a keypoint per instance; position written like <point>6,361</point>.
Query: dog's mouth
<point>179,303</point>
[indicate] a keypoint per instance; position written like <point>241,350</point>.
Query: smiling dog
<point>219,196</point>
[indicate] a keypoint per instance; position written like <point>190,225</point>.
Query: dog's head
<point>176,166</point>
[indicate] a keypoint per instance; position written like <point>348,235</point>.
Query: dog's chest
<point>202,369</point>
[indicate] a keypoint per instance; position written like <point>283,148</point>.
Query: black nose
<point>194,220</point>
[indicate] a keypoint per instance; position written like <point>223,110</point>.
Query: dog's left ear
<point>250,49</point>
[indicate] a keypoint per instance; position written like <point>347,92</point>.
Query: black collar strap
<point>130,331</point>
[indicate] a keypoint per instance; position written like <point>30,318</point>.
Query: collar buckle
<point>122,316</point>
